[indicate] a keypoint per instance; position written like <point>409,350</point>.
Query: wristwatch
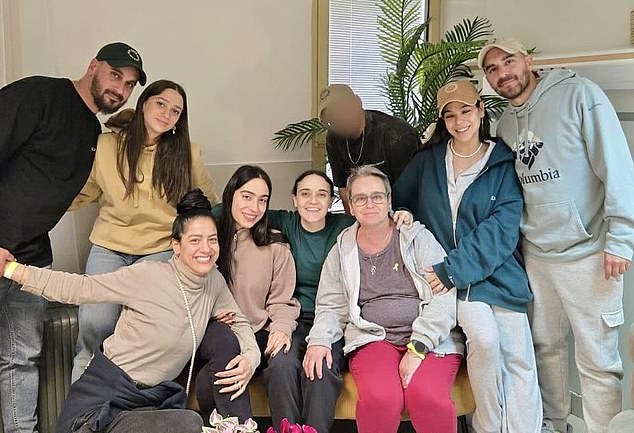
<point>418,348</point>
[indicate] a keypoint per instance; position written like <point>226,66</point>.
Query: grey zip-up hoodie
<point>337,311</point>
<point>575,168</point>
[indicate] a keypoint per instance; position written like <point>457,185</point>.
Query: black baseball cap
<point>119,54</point>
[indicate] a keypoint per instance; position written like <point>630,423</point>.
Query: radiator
<point>60,335</point>
<point>58,350</point>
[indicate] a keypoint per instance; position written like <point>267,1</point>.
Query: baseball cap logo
<point>134,55</point>
<point>451,87</point>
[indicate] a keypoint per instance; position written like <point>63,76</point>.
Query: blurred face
<point>111,87</point>
<point>249,203</point>
<point>161,112</point>
<point>463,121</point>
<point>369,201</point>
<point>312,199</point>
<point>510,75</point>
<point>198,247</point>
<point>346,118</point>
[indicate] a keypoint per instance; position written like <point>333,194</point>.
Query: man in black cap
<point>48,135</point>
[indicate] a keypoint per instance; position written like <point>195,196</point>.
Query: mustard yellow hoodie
<point>142,223</point>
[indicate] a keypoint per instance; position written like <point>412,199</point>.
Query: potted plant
<point>417,68</point>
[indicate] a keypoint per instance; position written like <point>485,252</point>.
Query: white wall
<point>553,26</point>
<point>623,101</point>
<point>245,65</point>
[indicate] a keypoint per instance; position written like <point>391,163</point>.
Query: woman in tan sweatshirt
<point>259,268</point>
<point>156,334</point>
<point>138,176</point>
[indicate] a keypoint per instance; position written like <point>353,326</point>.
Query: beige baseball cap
<point>457,91</point>
<point>510,45</point>
<point>332,95</point>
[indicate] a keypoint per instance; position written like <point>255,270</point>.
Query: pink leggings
<point>382,397</point>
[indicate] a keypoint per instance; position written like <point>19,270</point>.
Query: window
<point>354,57</point>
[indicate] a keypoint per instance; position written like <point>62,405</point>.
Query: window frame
<point>319,67</point>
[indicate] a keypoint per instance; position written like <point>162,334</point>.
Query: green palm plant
<point>417,68</point>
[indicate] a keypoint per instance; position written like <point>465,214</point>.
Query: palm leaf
<point>396,24</point>
<point>416,68</point>
<point>295,135</point>
<point>494,105</point>
<point>400,82</point>
<point>470,30</point>
<point>435,64</point>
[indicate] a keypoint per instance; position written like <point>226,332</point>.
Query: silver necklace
<point>374,260</point>
<point>191,327</point>
<point>360,151</point>
<point>460,155</point>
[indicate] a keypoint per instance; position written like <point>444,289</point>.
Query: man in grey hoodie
<point>577,176</point>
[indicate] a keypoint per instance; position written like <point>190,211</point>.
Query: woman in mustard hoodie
<point>139,175</point>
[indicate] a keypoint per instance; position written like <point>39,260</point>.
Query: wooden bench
<point>461,395</point>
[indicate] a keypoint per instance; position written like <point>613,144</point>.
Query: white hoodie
<point>575,168</point>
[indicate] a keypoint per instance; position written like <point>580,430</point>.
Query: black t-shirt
<point>48,138</point>
<point>388,142</point>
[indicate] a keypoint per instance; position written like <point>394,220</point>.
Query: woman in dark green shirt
<point>311,232</point>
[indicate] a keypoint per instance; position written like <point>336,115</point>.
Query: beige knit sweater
<point>263,284</point>
<point>152,339</point>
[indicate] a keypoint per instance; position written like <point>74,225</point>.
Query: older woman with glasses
<point>398,335</point>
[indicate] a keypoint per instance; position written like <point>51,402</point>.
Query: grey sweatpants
<point>501,366</point>
<point>575,296</point>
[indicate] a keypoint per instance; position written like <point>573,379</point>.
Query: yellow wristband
<point>411,348</point>
<point>9,268</point>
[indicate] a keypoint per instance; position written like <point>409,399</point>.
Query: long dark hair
<point>441,135</point>
<point>260,232</point>
<point>319,173</point>
<point>194,204</point>
<point>171,175</point>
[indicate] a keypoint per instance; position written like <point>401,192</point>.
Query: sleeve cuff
<point>441,272</point>
<point>282,327</point>
<point>319,342</point>
<point>423,339</point>
<point>618,248</point>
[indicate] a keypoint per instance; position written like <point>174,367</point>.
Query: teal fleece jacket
<point>483,260</point>
<point>575,169</point>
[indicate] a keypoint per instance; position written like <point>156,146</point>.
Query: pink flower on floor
<point>287,427</point>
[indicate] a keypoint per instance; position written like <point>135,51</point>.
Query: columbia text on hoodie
<point>575,168</point>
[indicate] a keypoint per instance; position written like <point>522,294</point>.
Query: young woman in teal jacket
<point>463,187</point>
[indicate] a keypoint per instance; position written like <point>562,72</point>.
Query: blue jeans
<point>97,321</point>
<point>21,324</point>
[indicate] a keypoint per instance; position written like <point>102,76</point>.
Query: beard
<point>522,83</point>
<point>104,105</point>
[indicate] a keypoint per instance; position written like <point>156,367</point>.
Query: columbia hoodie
<point>575,168</point>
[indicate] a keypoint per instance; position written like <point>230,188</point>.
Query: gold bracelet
<point>9,268</point>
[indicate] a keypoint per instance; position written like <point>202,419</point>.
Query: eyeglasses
<point>362,199</point>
